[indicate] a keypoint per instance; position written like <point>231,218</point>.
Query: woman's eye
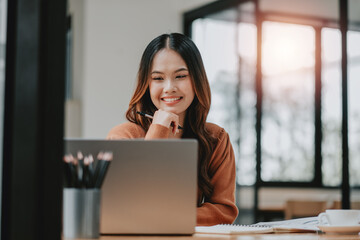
<point>157,78</point>
<point>181,76</point>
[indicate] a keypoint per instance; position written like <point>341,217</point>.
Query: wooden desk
<point>282,236</point>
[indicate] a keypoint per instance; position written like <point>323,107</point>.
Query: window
<point>354,106</point>
<point>331,109</point>
<point>301,107</point>
<point>231,72</point>
<point>288,102</point>
<point>331,106</point>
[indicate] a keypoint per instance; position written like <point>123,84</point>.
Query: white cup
<point>339,217</point>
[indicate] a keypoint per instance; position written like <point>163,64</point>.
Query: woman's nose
<point>170,86</point>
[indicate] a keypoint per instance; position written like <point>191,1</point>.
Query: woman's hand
<point>166,119</point>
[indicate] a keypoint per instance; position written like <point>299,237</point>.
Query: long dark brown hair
<point>196,114</point>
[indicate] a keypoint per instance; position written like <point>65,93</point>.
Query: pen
<point>70,171</point>
<point>81,173</point>
<point>86,176</point>
<point>80,168</point>
<point>91,171</point>
<point>151,117</point>
<point>98,166</point>
<point>102,167</point>
<point>72,164</point>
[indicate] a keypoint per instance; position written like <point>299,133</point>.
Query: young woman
<point>173,88</point>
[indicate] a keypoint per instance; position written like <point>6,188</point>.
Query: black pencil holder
<point>81,213</point>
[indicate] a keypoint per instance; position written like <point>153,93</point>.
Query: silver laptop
<point>150,186</point>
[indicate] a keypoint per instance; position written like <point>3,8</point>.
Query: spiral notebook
<point>288,226</point>
<point>234,229</point>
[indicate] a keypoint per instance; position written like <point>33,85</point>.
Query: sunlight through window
<point>288,102</point>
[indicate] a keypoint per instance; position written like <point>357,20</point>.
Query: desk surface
<point>282,236</point>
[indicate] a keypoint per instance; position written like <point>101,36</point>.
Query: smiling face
<point>170,84</point>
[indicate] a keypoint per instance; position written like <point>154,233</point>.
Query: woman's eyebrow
<point>178,70</point>
<point>156,72</point>
<point>181,69</point>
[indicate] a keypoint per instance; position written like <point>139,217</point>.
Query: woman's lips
<point>171,100</point>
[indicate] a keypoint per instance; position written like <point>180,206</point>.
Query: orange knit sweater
<point>220,208</point>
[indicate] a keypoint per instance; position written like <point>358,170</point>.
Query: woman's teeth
<point>171,99</point>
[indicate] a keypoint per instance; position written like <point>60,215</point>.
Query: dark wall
<point>33,119</point>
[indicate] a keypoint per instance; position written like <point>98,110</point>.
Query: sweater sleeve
<point>157,131</point>
<point>125,131</point>
<point>221,207</point>
<point>132,130</point>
